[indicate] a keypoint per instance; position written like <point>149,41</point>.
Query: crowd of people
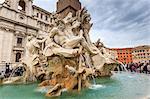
<point>132,67</point>
<point>7,71</point>
<point>139,67</point>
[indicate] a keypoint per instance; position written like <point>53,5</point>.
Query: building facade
<point>112,52</point>
<point>141,54</point>
<point>123,55</point>
<point>132,55</point>
<point>19,19</point>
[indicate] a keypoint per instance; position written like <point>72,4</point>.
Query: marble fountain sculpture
<point>65,58</point>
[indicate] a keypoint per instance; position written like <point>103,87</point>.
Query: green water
<point>119,86</point>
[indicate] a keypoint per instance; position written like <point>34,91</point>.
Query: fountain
<point>65,58</point>
<point>119,86</point>
<point>12,79</point>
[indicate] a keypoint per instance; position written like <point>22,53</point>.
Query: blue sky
<point>118,23</point>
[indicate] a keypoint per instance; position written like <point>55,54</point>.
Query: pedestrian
<point>145,68</point>
<point>7,70</point>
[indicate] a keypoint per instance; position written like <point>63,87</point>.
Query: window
<point>19,40</point>
<point>37,14</point>
<point>18,56</point>
<point>22,5</point>
<point>46,18</point>
<point>41,16</point>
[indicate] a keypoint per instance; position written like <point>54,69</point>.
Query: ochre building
<point>141,54</point>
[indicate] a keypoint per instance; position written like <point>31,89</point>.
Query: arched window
<point>18,56</point>
<point>22,5</point>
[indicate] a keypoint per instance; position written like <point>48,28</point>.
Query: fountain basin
<point>120,86</point>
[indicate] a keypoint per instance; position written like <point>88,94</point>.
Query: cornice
<point>18,23</point>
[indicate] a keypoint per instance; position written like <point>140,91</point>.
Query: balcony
<point>18,47</point>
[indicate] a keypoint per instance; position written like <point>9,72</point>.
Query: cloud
<point>119,23</point>
<point>49,5</point>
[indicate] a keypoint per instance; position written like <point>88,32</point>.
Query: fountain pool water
<point>120,86</point>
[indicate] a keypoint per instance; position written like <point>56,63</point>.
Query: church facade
<point>19,19</point>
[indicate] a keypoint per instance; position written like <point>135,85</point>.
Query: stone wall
<point>6,42</point>
<point>15,23</point>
